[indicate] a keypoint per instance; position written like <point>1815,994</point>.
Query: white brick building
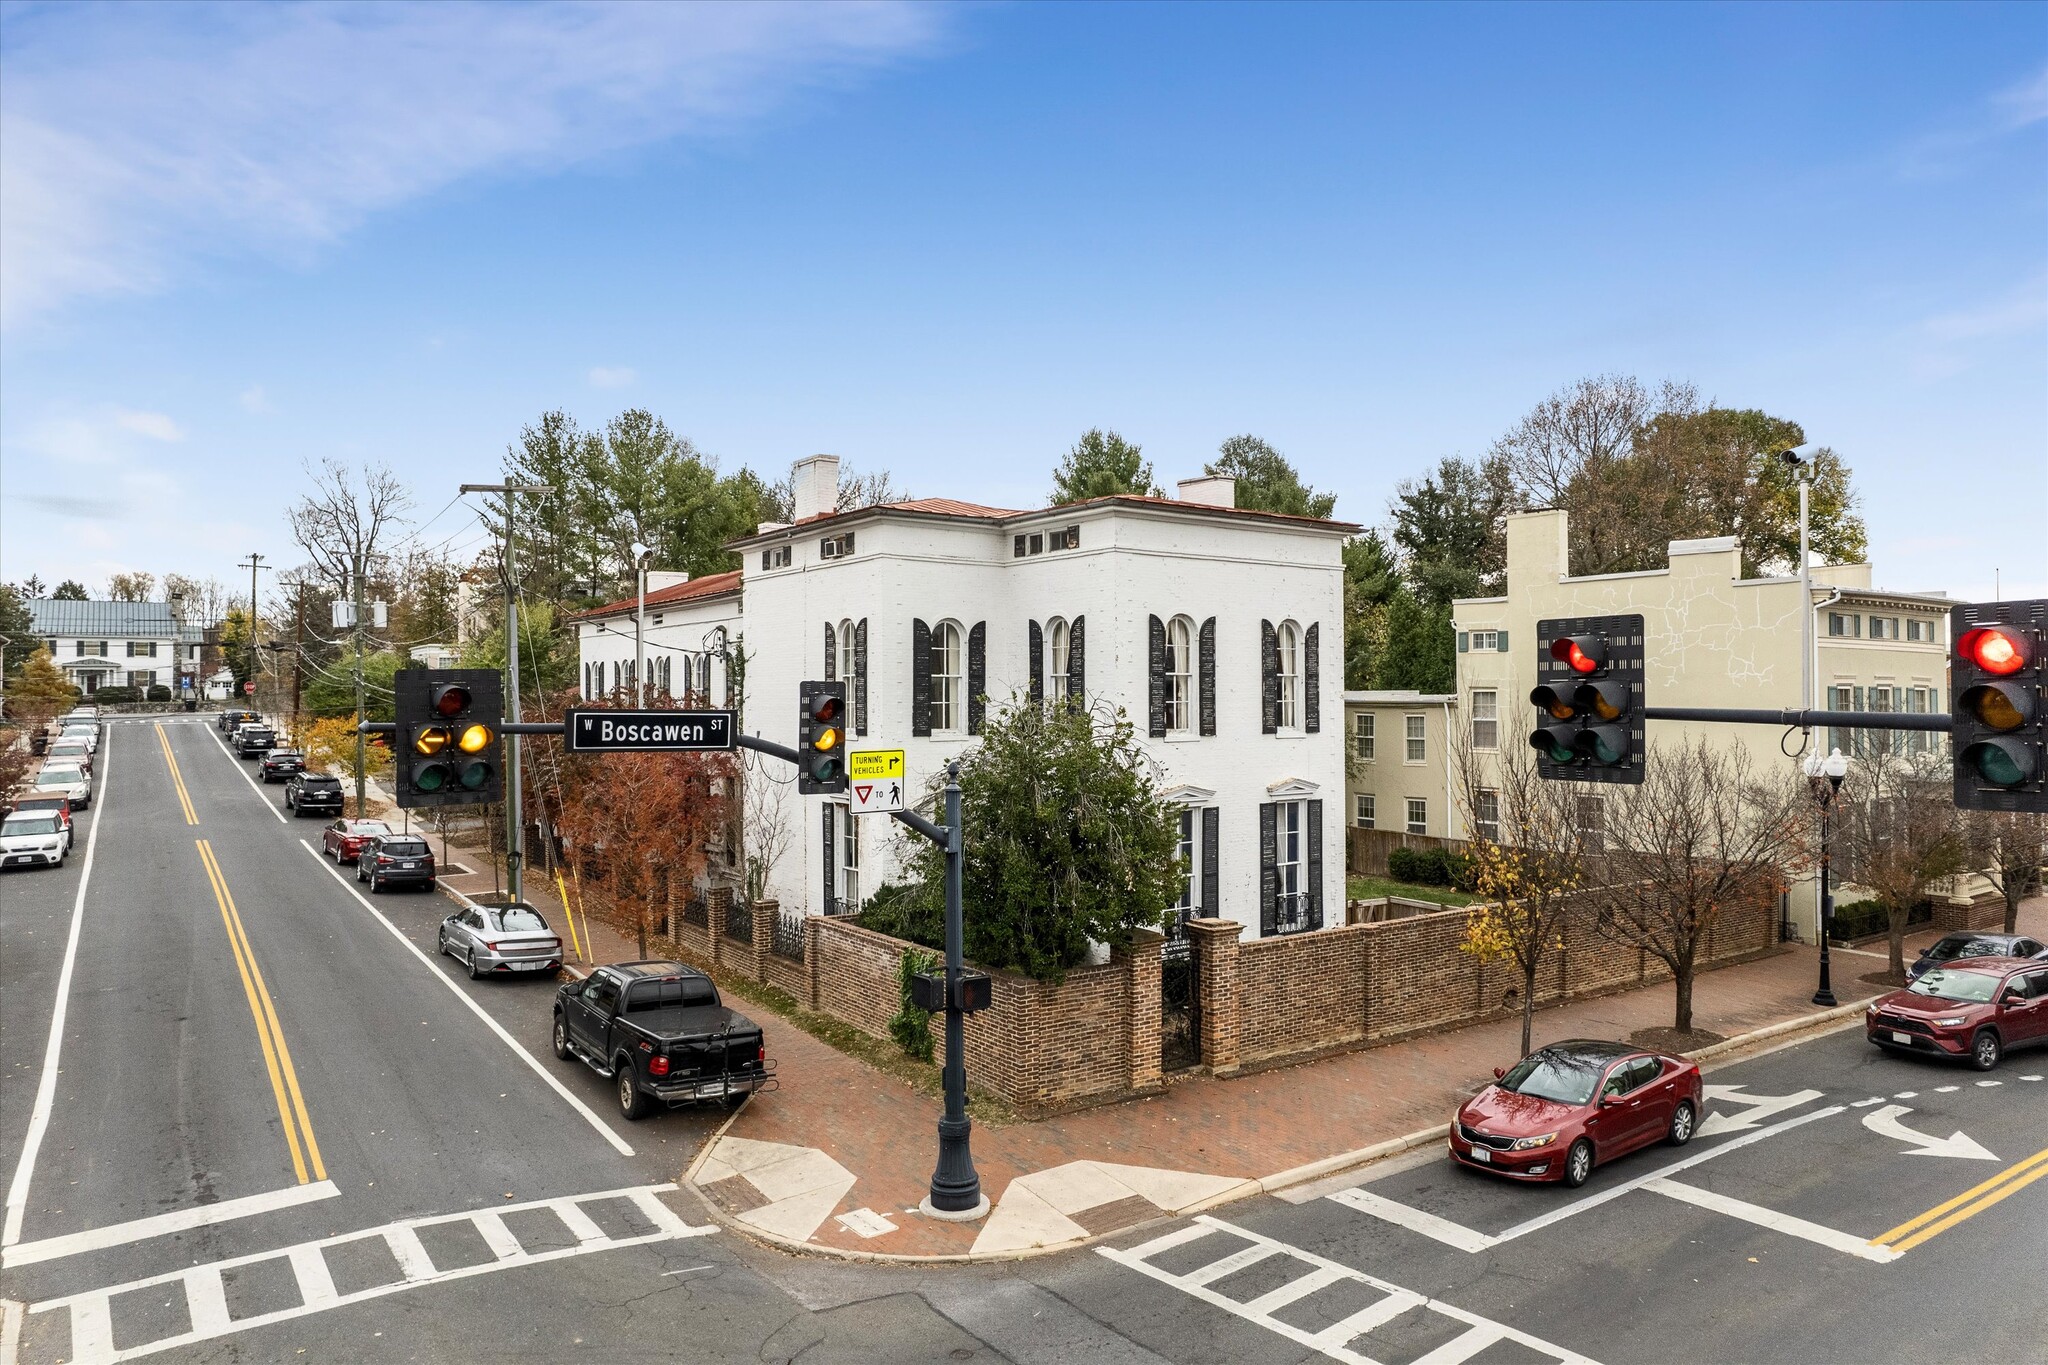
<point>1218,631</point>
<point>117,644</point>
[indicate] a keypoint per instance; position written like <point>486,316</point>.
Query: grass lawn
<point>1369,888</point>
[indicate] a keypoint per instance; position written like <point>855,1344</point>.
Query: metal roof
<point>103,620</point>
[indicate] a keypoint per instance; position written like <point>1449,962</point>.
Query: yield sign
<point>877,797</point>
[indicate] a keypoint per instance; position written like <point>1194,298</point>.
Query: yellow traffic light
<point>475,739</point>
<point>431,740</point>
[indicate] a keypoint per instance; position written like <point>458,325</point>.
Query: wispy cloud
<point>1947,343</point>
<point>154,425</point>
<point>254,399</point>
<point>612,376</point>
<point>1949,150</point>
<point>142,138</point>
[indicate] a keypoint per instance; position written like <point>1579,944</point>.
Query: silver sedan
<point>512,939</point>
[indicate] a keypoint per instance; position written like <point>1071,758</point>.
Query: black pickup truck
<point>660,1032</point>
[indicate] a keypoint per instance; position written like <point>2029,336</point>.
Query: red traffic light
<point>825,708</point>
<point>1582,653</point>
<point>1995,649</point>
<point>451,699</point>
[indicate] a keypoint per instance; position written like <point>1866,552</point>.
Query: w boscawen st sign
<point>601,731</point>
<point>874,781</point>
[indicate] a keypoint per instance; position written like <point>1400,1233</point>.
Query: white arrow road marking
<point>1758,1108</point>
<point>1885,1123</point>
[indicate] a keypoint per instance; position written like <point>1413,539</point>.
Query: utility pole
<point>255,563</point>
<point>514,833</point>
<point>362,713</point>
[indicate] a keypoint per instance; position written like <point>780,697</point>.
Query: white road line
<point>46,1088</point>
<point>163,1224</point>
<point>261,795</point>
<point>619,1144</point>
<point>1415,1220</point>
<point>11,1313</point>
<point>1772,1219</point>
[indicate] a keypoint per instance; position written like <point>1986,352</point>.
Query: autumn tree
<point>130,587</point>
<point>2008,848</point>
<point>1896,831</point>
<point>41,684</point>
<point>1099,465</point>
<point>1701,835</point>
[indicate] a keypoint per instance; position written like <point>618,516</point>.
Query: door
<point>592,1012</point>
<point>1609,1124</point>
<point>1658,1088</point>
<point>2030,1011</point>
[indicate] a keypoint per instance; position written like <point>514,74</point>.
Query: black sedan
<point>313,794</point>
<point>280,764</point>
<point>1974,943</point>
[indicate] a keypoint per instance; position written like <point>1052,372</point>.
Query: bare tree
<point>764,827</point>
<point>348,518</point>
<point>1897,832</point>
<point>2008,848</point>
<point>856,490</point>
<point>1700,835</point>
<point>131,587</point>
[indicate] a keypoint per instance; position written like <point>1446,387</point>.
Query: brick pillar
<point>1141,990</point>
<point>716,905</point>
<point>1215,946</point>
<point>764,936</point>
<point>814,952</point>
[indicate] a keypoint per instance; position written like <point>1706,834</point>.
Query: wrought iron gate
<point>1180,1004</point>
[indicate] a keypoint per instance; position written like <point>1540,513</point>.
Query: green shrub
<point>1430,867</point>
<point>1861,919</point>
<point>114,696</point>
<point>913,913</point>
<point>911,1026</point>
<point>159,693</point>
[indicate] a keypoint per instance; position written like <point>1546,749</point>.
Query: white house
<point>116,644</point>
<point>692,629</point>
<point>1217,630</point>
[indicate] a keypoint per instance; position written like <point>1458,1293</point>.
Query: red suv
<point>1560,1111</point>
<point>1976,1008</point>
<point>344,839</point>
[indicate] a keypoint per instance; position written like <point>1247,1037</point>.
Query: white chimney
<point>657,579</point>
<point>816,483</point>
<point>1212,490</point>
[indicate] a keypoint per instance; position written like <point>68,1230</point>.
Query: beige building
<point>1711,638</point>
<point>1399,755</point>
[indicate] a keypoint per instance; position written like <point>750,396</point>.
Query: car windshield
<point>518,921</point>
<point>402,848</point>
<point>279,755</point>
<point>1951,948</point>
<point>319,784</point>
<point>1554,1076</point>
<point>1949,984</point>
<point>369,827</point>
<point>30,824</point>
<point>59,777</point>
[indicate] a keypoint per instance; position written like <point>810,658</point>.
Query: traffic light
<point>1589,699</point>
<point>449,751</point>
<point>821,738</point>
<point>1998,680</point>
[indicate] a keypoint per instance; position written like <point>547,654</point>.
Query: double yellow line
<point>177,778</point>
<point>1968,1204</point>
<point>284,1081</point>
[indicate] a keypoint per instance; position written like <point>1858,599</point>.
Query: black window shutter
<point>977,675</point>
<point>860,677</point>
<point>1315,864</point>
<point>831,652</point>
<point>920,678</point>
<point>1212,831</point>
<point>1312,683</point>
<point>830,811</point>
<point>1269,678</point>
<point>1155,679</point>
<point>1037,664</point>
<point>1269,875</point>
<point>1077,661</point>
<point>1206,662</point>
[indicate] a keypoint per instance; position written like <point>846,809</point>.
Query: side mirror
<point>1500,1073</point>
<point>1608,1101</point>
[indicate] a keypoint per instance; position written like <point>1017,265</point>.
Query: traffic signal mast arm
<point>1847,720</point>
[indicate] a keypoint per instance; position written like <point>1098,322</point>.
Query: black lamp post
<point>956,1187</point>
<point>1824,778</point>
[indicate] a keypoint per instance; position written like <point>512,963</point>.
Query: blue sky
<point>943,241</point>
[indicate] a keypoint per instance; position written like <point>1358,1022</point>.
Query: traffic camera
<point>821,738</point>
<point>1998,680</point>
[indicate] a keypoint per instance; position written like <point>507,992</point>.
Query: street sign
<point>606,731</point>
<point>249,689</point>
<point>876,781</point>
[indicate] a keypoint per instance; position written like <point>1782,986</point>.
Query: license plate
<point>526,966</point>
<point>1482,1156</point>
<point>1902,1037</point>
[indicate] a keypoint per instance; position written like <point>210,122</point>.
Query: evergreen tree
<point>17,630</point>
<point>1421,650</point>
<point>1266,482</point>
<point>1100,465</point>
<point>70,590</point>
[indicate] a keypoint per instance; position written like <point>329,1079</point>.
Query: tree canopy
<point>70,590</point>
<point>1266,482</point>
<point>1101,464</point>
<point>130,587</point>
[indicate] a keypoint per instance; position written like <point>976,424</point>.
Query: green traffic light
<point>475,775</point>
<point>1998,767</point>
<point>430,777</point>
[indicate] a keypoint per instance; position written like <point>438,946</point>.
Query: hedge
<point>1862,919</point>
<point>1430,867</point>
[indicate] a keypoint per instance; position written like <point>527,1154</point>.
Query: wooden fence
<point>1366,850</point>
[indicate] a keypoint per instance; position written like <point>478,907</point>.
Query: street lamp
<point>1824,779</point>
<point>640,554</point>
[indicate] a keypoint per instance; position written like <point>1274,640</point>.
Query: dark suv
<point>230,719</point>
<point>251,740</point>
<point>396,860</point>
<point>280,764</point>
<point>313,794</point>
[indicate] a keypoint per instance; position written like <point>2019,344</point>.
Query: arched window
<point>949,687</point>
<point>1059,637</point>
<point>704,678</point>
<point>1290,676</point>
<point>846,643</point>
<point>1180,675</point>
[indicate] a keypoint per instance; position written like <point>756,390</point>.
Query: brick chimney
<point>817,486</point>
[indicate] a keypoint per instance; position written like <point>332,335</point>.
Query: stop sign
<point>249,689</point>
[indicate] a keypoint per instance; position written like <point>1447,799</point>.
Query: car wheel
<point>1681,1125</point>
<point>1578,1164</point>
<point>1985,1050</point>
<point>474,974</point>
<point>632,1103</point>
<point>427,886</point>
<point>562,1036</point>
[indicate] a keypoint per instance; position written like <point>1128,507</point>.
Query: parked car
<point>396,860</point>
<point>1569,1107</point>
<point>232,717</point>
<point>69,750</point>
<point>280,764</point>
<point>1974,1007</point>
<point>36,838</point>
<point>501,938</point>
<point>66,780</point>
<point>313,794</point>
<point>1974,943</point>
<point>87,733</point>
<point>344,839</point>
<point>251,740</point>
<point>659,1030</point>
<point>33,800</point>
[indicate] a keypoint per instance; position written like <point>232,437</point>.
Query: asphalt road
<point>424,1181</point>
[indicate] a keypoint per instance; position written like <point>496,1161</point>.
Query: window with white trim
<point>1845,625</point>
<point>846,644</point>
<point>1919,630</point>
<point>847,883</point>
<point>1485,642</point>
<point>1486,816</point>
<point>1486,720</point>
<point>949,688</point>
<point>1180,676</point>
<point>1418,747</point>
<point>1290,867</point>
<point>1189,896</point>
<point>1884,627</point>
<point>1059,641</point>
<point>1366,812</point>
<point>1418,815</point>
<point>1290,676</point>
<point>1362,735</point>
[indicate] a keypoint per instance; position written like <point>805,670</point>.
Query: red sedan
<point>1977,1008</point>
<point>1568,1107</point>
<point>344,839</point>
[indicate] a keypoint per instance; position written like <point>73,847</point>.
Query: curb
<point>1783,1033</point>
